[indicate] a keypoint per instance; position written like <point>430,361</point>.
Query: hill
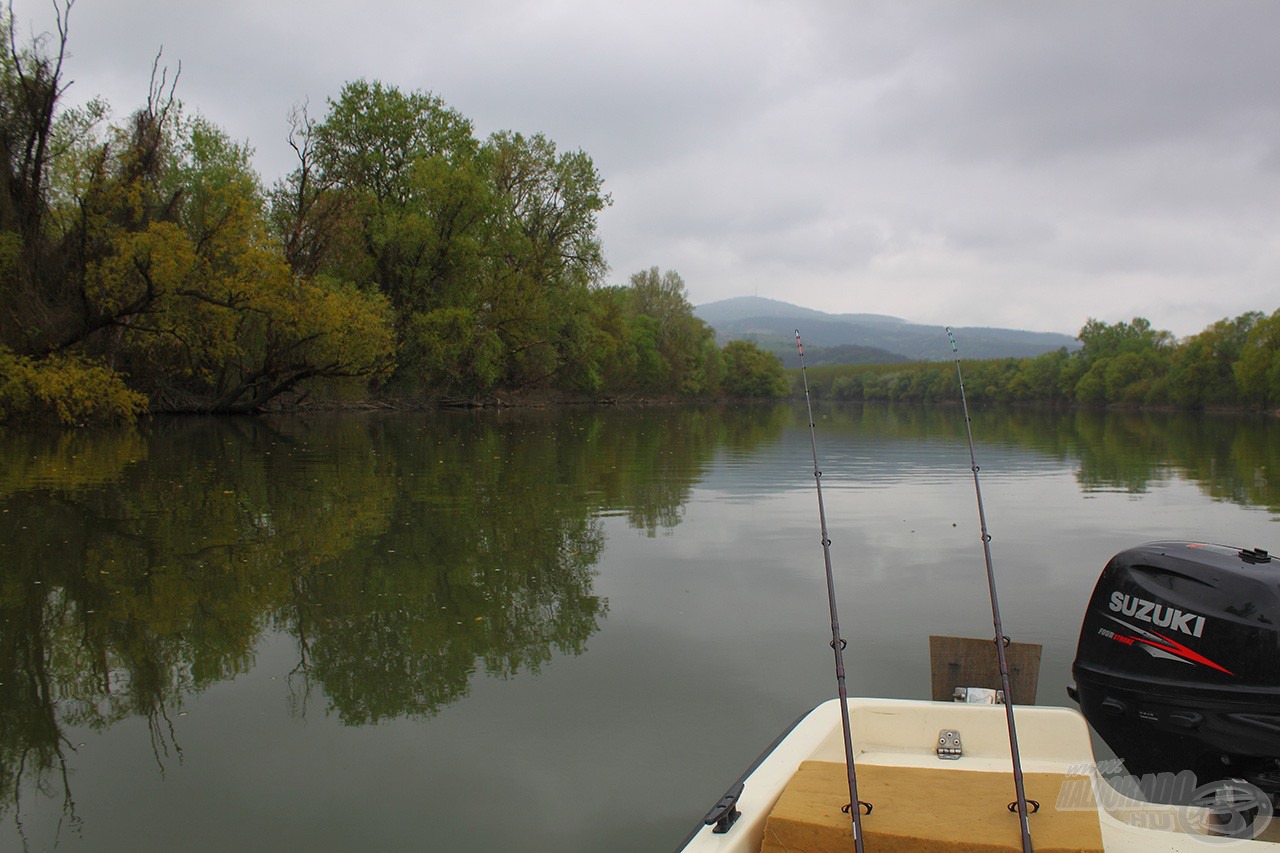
<point>862,338</point>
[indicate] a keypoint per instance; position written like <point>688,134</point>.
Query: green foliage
<point>1101,340</point>
<point>1232,363</point>
<point>679,336</point>
<point>374,135</point>
<point>1258,369</point>
<point>544,259</point>
<point>492,245</point>
<point>216,320</point>
<point>1040,378</point>
<point>402,172</point>
<point>644,361</point>
<point>1202,373</point>
<point>753,372</point>
<point>550,202</point>
<point>649,342</point>
<point>452,352</point>
<point>1123,363</point>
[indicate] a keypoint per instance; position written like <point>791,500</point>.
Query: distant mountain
<point>862,338</point>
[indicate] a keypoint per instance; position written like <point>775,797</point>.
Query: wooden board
<point>966,662</point>
<point>926,808</point>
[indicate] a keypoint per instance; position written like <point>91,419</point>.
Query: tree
<point>453,353</point>
<point>201,307</point>
<point>140,252</point>
<point>681,337</point>
<point>41,308</point>
<point>374,134</point>
<point>752,372</point>
<point>1203,368</point>
<point>1258,370</point>
<point>1124,362</point>
<point>404,167</point>
<point>545,256</point>
<point>1039,378</point>
<point>552,200</point>
<point>1101,340</point>
<point>307,216</point>
<point>391,193</point>
<point>31,85</point>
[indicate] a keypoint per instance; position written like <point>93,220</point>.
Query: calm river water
<point>528,630</point>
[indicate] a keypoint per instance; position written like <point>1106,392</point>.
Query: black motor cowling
<point>1178,665</point>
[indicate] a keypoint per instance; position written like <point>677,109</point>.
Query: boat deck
<point>902,736</point>
<point>929,808</point>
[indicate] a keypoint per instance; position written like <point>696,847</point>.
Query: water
<point>534,630</point>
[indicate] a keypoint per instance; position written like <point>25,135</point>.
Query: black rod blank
<point>837,644</point>
<point>1000,638</point>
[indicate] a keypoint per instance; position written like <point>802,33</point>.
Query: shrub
<point>67,388</point>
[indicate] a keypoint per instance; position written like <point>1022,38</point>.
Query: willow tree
<point>150,258</point>
<point>180,285</point>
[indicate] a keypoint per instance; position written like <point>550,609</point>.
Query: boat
<point>1178,671</point>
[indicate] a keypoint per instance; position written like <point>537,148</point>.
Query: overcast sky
<point>1019,164</point>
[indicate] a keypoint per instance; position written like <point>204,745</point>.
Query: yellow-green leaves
<point>70,388</point>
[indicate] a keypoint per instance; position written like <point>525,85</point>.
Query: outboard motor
<point>1178,665</point>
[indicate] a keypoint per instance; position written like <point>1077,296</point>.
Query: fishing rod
<point>1001,640</point>
<point>855,805</point>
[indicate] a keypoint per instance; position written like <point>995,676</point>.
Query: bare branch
<point>155,89</point>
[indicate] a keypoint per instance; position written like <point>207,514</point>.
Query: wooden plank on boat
<point>926,808</point>
<point>967,662</point>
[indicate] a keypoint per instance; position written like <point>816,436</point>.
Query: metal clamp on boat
<point>724,813</point>
<point>978,695</point>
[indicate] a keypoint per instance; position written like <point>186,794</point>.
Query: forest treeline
<point>145,266</point>
<point>1232,364</point>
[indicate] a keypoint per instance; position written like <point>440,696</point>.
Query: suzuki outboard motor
<point>1178,666</point>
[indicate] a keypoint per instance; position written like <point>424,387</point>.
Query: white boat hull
<point>904,733</point>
